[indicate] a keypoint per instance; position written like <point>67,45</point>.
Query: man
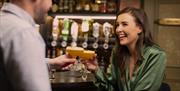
<point>22,50</point>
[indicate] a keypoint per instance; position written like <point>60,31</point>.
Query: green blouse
<point>147,77</point>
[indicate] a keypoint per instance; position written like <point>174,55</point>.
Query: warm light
<point>112,17</point>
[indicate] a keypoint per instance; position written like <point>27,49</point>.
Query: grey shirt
<point>22,52</point>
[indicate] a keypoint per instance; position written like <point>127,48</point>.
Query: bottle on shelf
<point>71,6</point>
<point>66,6</point>
<point>79,5</point>
<point>103,6</point>
<point>87,7</point>
<point>111,6</point>
<point>95,7</point>
<point>61,6</point>
<point>84,6</point>
<point>55,6</point>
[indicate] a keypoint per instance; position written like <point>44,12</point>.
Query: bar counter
<point>72,81</point>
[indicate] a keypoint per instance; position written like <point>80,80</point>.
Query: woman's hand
<point>91,64</point>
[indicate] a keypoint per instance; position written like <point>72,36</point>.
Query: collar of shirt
<point>14,9</point>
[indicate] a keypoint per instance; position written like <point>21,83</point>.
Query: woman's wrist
<point>95,69</point>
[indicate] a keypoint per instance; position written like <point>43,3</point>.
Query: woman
<point>137,63</point>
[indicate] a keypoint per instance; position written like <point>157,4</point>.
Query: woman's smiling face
<point>127,30</point>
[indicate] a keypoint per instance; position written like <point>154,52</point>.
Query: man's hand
<point>62,62</point>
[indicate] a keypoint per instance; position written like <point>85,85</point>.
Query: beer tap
<point>65,33</point>
<point>74,33</point>
<point>85,29</point>
<point>95,34</point>
<point>107,31</point>
<point>55,33</point>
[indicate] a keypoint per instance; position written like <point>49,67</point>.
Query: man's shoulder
<point>12,26</point>
<point>14,21</point>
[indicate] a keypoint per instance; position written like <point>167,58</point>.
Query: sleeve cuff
<point>47,63</point>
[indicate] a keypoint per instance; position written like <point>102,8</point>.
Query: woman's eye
<point>117,24</point>
<point>124,24</point>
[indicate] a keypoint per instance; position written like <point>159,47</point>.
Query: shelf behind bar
<point>98,17</point>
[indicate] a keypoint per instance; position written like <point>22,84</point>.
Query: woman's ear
<point>139,29</point>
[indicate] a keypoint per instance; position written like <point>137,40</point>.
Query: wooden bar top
<point>72,81</point>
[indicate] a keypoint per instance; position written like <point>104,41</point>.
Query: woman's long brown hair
<point>145,38</point>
